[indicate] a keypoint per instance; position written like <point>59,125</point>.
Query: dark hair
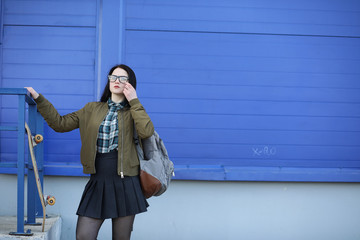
<point>132,80</point>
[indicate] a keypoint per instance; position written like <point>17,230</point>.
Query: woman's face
<point>117,87</point>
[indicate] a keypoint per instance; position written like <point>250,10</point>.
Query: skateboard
<point>33,141</point>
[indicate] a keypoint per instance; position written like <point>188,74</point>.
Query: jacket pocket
<point>134,158</point>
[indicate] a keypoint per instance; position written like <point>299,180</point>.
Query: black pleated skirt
<point>107,195</point>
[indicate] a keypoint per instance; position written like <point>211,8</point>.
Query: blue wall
<point>50,46</point>
<point>239,90</point>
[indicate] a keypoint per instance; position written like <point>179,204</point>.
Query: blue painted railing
<point>36,124</point>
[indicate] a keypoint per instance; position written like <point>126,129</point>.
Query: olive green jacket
<point>88,120</point>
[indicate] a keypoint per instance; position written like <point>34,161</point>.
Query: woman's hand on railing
<point>34,94</point>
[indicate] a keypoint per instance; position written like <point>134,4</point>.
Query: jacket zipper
<point>122,145</point>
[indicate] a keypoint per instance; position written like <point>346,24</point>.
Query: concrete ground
<point>52,229</point>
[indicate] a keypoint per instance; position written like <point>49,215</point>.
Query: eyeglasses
<point>122,79</point>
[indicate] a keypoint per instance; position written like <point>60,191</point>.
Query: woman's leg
<point>88,228</point>
<point>122,227</point>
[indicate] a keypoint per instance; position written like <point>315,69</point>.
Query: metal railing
<point>36,124</point>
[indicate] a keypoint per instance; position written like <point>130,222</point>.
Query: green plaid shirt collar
<point>109,128</point>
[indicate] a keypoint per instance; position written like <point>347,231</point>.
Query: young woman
<point>108,153</point>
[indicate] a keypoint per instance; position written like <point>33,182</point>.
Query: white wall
<point>221,210</point>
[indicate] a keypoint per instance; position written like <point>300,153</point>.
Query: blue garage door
<point>51,46</point>
<point>239,90</point>
<point>251,90</point>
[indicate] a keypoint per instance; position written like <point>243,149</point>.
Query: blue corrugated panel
<point>308,17</point>
<point>50,46</point>
<point>50,13</point>
<point>259,90</point>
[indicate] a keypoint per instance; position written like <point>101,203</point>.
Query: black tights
<point>88,228</point>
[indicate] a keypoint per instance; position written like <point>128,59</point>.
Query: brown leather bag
<point>156,169</point>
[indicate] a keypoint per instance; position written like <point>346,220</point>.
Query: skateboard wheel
<point>50,200</point>
<point>38,138</point>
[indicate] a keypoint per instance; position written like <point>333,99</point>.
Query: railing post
<point>21,165</point>
<point>31,201</point>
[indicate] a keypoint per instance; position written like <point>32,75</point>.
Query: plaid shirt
<point>109,128</point>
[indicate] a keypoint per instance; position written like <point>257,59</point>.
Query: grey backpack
<point>156,169</point>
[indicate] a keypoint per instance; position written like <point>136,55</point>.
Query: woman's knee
<point>88,228</point>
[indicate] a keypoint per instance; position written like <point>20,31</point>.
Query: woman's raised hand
<point>34,94</point>
<point>129,92</point>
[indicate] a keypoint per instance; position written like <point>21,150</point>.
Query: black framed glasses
<point>122,79</point>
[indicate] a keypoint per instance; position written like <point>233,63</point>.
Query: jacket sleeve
<point>57,122</point>
<point>143,123</point>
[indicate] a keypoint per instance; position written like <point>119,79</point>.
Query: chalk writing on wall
<point>263,151</point>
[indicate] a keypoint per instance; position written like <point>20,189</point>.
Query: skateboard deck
<point>38,138</point>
